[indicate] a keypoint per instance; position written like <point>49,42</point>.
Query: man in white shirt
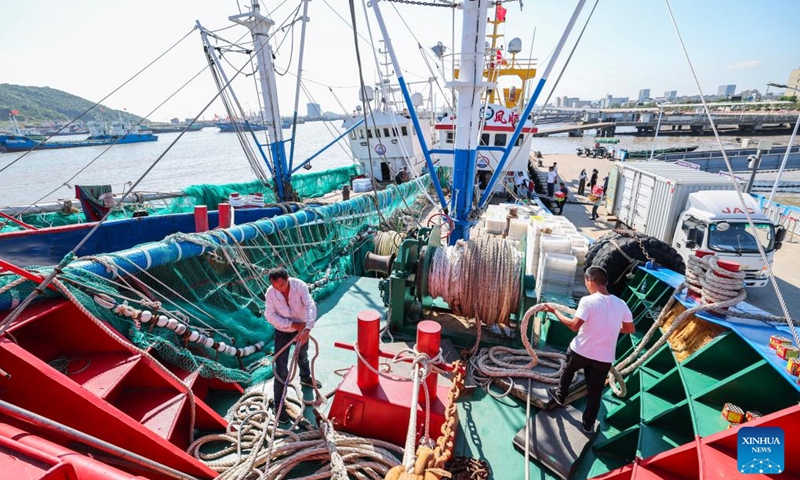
<point>599,320</point>
<point>291,310</point>
<point>552,175</point>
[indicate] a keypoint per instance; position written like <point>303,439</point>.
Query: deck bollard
<point>200,218</point>
<point>224,215</point>
<point>369,322</point>
<point>429,337</point>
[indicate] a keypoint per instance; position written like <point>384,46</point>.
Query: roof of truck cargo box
<point>675,173</point>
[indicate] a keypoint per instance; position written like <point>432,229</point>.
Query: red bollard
<point>369,324</point>
<point>224,215</point>
<point>429,338</point>
<point>200,218</point>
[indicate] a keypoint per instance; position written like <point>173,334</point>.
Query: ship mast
<point>259,26</point>
<point>469,89</point>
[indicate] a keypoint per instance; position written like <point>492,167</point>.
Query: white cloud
<point>743,65</point>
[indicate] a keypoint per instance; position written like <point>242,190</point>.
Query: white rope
<point>460,274</point>
<point>240,452</point>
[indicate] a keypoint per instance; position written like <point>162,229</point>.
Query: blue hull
<point>16,143</point>
<point>229,127</point>
<point>48,246</point>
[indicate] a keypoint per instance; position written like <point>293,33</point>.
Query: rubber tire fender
<point>616,263</point>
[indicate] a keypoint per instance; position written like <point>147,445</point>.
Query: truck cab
<point>715,221</point>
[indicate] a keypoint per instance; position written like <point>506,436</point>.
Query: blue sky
<point>89,47</point>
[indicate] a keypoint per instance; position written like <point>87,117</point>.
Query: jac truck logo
<point>738,210</point>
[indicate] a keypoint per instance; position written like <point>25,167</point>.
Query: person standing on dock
<point>593,179</point>
<point>551,181</point>
<point>599,320</point>
<point>291,310</point>
<point>561,198</point>
<point>582,182</point>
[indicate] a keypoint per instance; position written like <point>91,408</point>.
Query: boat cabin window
<point>394,132</point>
<point>449,137</point>
<point>352,134</point>
<point>369,133</point>
<point>404,130</point>
<point>500,140</point>
<point>361,134</point>
<point>520,140</point>
<point>485,139</point>
<point>386,133</point>
<point>378,132</point>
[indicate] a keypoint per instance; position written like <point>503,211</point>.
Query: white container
<point>362,185</point>
<point>649,196</point>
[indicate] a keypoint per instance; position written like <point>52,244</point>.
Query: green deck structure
<point>668,402</point>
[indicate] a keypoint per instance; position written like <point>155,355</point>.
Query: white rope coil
<point>387,243</point>
<point>479,278</point>
<point>243,452</point>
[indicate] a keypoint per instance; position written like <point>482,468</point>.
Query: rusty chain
<point>431,463</point>
<point>446,442</point>
<point>425,4</point>
<point>465,468</point>
<point>634,235</point>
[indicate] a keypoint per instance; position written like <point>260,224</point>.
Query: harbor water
<point>208,156</point>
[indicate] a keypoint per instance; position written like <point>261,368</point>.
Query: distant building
<point>644,95</point>
<point>725,91</point>
<point>313,110</point>
<point>751,95</point>
<point>794,82</point>
<point>612,102</point>
<point>670,95</point>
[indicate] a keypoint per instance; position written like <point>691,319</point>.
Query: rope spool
<point>460,274</point>
<point>387,243</point>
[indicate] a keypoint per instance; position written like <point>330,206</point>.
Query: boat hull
<point>47,246</point>
<point>14,143</point>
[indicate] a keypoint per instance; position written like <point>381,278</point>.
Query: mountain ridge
<point>38,105</point>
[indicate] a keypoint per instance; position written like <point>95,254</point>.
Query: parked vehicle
<point>694,210</point>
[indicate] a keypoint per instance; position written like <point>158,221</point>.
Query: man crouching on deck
<point>291,310</point>
<point>599,320</point>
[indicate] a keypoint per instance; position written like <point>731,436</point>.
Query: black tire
<point>608,256</point>
<point>596,246</point>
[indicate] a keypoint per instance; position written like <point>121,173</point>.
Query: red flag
<point>14,112</point>
<point>500,13</point>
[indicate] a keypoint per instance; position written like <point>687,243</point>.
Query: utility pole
<point>754,161</point>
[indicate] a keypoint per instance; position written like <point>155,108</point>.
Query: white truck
<point>693,210</point>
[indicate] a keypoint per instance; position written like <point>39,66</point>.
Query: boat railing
<point>786,215</point>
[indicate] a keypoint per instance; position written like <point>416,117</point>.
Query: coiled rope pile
<point>478,279</point>
<point>503,362</point>
<point>242,451</point>
<point>704,275</point>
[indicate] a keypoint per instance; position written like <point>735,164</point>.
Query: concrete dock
<point>785,267</point>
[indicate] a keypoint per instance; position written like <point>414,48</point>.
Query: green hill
<point>38,105</point>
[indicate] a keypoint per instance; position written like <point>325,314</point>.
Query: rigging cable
<point>66,182</point>
<point>736,185</point>
<point>101,100</point>
<point>69,256</point>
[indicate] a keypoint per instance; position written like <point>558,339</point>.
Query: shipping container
<point>649,196</point>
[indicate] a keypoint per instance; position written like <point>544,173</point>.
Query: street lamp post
<point>788,149</point>
<point>658,127</point>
